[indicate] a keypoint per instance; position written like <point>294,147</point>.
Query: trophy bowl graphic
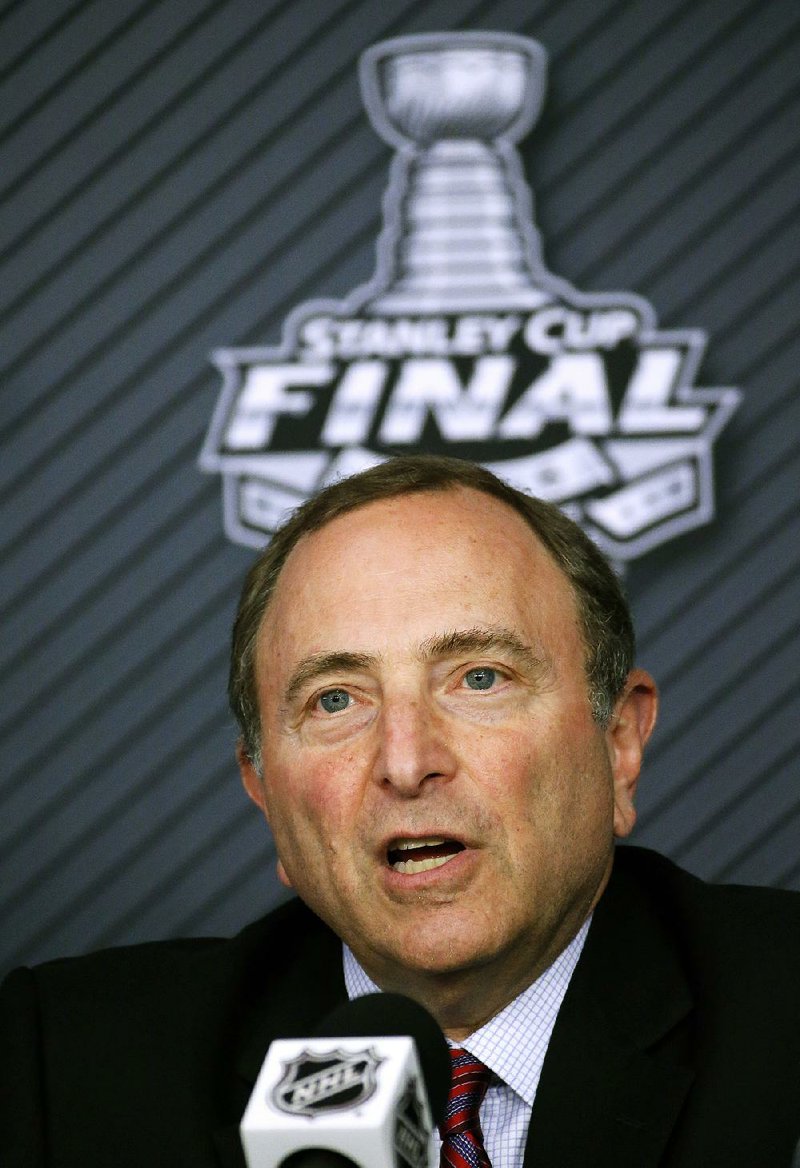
<point>453,106</point>
<point>476,92</point>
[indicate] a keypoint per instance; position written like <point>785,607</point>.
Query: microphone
<point>367,1091</point>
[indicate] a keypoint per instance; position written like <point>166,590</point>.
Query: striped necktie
<point>462,1138</point>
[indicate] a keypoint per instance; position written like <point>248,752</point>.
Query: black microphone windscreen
<point>394,1015</point>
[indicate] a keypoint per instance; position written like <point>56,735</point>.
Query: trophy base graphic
<point>463,243</point>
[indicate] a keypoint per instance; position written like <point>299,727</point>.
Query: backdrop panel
<point>175,178</point>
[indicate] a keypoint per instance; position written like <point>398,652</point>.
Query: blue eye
<point>334,701</point>
<point>482,678</point>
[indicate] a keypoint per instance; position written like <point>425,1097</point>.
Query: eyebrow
<point>483,640</point>
<point>449,644</point>
<point>320,663</point>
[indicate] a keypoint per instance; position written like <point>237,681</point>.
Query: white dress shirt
<point>512,1044</point>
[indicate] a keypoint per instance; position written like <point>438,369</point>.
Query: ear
<point>631,725</point>
<point>252,781</point>
<point>253,784</point>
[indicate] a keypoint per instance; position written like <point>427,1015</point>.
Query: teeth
<point>409,866</point>
<point>433,841</point>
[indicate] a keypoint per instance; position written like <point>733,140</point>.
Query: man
<point>440,719</point>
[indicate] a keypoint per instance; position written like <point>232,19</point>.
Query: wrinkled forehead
<point>389,555</point>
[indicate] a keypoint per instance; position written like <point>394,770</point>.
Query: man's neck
<point>460,1002</point>
<point>463,1000</point>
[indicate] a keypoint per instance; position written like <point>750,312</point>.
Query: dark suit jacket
<point>678,1043</point>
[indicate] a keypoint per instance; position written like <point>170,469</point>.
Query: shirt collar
<point>514,1042</point>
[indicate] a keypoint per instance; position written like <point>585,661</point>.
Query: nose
<point>414,748</point>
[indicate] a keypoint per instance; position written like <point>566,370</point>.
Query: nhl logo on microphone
<point>318,1082</point>
<point>363,1098</point>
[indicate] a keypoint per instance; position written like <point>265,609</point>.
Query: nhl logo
<point>315,1083</point>
<point>463,342</point>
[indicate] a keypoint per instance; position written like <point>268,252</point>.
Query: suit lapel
<point>618,1066</point>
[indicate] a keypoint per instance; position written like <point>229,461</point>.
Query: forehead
<point>412,565</point>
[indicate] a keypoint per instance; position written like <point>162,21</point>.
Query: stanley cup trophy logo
<point>463,238</point>
<point>463,342</point>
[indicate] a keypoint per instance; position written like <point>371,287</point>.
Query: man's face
<point>437,788</point>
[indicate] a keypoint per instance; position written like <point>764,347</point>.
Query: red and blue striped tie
<point>462,1138</point>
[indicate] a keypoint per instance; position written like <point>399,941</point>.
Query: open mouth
<point>420,855</point>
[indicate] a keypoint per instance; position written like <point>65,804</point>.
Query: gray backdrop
<point>177,175</point>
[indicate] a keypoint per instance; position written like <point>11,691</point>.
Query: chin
<point>442,955</point>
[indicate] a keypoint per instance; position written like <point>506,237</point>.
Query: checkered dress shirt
<point>512,1044</point>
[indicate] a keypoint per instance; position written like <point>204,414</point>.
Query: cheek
<point>315,795</point>
<point>544,785</point>
<point>509,793</point>
<point>510,764</point>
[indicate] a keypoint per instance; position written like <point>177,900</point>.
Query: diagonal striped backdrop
<point>175,175</point>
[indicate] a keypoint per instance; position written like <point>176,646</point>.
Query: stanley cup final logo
<point>463,343</point>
